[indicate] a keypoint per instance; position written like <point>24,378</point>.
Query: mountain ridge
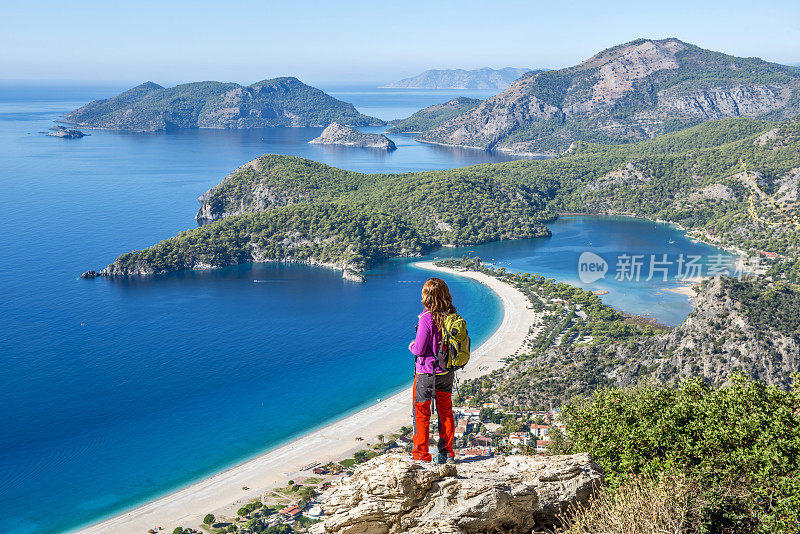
<point>625,93</point>
<point>483,78</point>
<point>434,116</point>
<point>284,101</point>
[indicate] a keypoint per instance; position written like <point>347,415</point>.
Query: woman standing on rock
<point>430,380</point>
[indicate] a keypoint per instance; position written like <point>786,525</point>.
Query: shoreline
<point>222,494</point>
<point>507,152</point>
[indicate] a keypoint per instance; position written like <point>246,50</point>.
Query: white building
<point>519,438</point>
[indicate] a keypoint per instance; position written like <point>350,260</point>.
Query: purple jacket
<point>426,345</point>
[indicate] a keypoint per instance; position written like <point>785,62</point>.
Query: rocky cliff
<point>735,325</point>
<point>506,494</point>
<point>276,102</point>
<point>339,134</point>
<point>484,78</point>
<point>629,92</point>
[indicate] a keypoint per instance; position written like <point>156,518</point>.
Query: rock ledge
<point>508,494</point>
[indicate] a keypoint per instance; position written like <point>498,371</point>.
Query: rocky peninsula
<point>339,134</point>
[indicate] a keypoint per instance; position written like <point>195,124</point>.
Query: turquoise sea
<point>118,391</point>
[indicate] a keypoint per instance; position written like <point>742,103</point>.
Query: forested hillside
<point>434,116</point>
<point>748,326</point>
<point>277,102</point>
<point>702,178</point>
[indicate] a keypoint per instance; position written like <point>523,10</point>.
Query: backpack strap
<point>420,316</point>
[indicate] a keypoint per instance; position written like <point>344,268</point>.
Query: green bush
<point>209,519</point>
<point>739,443</point>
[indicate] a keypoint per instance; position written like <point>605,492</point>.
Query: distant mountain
<point>484,78</point>
<point>435,115</point>
<point>277,102</point>
<point>631,91</point>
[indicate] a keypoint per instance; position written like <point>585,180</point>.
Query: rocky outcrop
<point>734,326</point>
<point>246,196</point>
<point>629,176</point>
<point>628,92</point>
<point>721,102</point>
<point>508,494</point>
<point>339,134</point>
<point>714,192</point>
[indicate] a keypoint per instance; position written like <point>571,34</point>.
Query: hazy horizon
<point>357,42</point>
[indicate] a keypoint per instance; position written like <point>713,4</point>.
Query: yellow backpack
<point>454,350</point>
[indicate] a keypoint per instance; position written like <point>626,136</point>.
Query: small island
<point>65,133</point>
<point>339,134</point>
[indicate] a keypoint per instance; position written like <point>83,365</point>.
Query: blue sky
<point>169,41</point>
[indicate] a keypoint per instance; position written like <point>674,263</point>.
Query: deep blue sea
<point>115,392</point>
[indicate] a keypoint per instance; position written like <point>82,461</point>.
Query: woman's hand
<point>411,344</point>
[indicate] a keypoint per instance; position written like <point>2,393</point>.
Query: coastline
<point>506,151</point>
<point>222,492</point>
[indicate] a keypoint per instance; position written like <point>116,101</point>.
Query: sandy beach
<point>222,493</point>
<point>686,288</point>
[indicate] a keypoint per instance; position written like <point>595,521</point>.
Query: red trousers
<point>426,388</point>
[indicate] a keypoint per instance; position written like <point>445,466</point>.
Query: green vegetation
<point>209,519</point>
<point>579,345</point>
<point>567,356</point>
<point>768,307</point>
<point>317,213</point>
<point>739,444</point>
<point>433,116</point>
<point>249,508</point>
<point>348,219</point>
<point>276,102</point>
<point>328,233</point>
<point>257,525</point>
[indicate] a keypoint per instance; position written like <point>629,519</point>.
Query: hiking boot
<point>441,459</point>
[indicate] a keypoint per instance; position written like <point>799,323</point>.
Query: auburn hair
<point>437,299</point>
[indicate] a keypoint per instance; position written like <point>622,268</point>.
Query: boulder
<point>507,494</point>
